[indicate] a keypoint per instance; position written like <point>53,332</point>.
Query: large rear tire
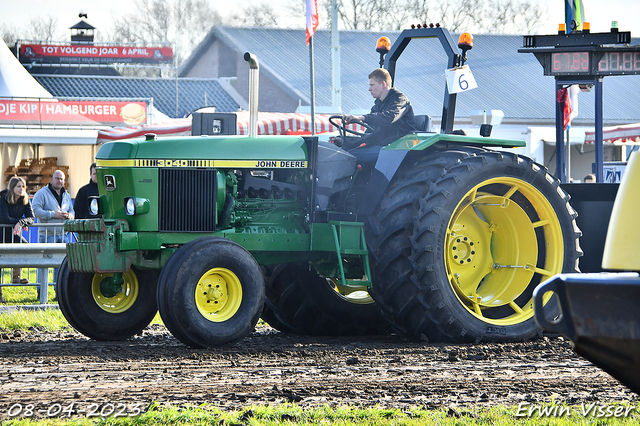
<point>300,301</point>
<point>101,314</point>
<point>210,292</point>
<point>460,241</point>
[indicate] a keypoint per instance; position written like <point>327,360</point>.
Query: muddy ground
<point>44,373</point>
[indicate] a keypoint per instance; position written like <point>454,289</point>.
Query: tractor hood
<point>286,151</point>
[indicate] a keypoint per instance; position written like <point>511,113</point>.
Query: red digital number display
<point>619,62</point>
<point>570,62</point>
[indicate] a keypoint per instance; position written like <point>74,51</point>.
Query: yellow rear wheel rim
<point>218,294</point>
<point>123,300</point>
<point>503,239</point>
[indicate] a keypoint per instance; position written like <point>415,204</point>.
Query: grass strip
<point>292,414</point>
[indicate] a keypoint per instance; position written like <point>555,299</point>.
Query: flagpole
<point>312,24</point>
<point>568,154</point>
<point>313,88</point>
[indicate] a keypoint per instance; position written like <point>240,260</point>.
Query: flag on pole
<point>312,18</point>
<point>563,98</point>
<point>573,15</point>
<point>572,94</point>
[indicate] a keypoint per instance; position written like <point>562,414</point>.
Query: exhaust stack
<point>254,76</point>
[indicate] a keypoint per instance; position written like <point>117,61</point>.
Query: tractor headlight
<point>94,205</point>
<point>130,206</point>
<point>135,205</point>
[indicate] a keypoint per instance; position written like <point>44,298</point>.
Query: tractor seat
<point>423,123</point>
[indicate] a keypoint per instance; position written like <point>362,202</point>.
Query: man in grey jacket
<point>52,204</point>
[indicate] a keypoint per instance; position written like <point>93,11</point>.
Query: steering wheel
<point>343,129</point>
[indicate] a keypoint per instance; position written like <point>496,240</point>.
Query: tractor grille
<point>187,200</point>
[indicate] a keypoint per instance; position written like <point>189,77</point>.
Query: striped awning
<point>269,123</point>
<point>177,127</point>
<point>627,134</point>
<point>274,123</point>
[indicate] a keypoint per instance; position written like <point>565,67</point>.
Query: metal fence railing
<point>42,246</point>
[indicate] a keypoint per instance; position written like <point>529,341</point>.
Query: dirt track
<point>54,370</point>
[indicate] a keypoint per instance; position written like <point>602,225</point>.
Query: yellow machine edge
<point>624,233</point>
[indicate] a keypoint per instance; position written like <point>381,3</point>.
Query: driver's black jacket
<point>390,118</point>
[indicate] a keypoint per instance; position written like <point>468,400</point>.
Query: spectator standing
<point>52,204</point>
<point>15,209</point>
<point>81,203</point>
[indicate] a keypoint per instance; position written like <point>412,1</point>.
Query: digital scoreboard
<point>597,61</point>
<point>585,54</point>
<point>584,58</point>
<point>570,62</point>
<point>619,63</point>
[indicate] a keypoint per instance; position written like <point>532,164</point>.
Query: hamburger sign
<point>63,112</point>
<point>133,113</point>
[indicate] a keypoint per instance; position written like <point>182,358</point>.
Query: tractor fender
<point>388,163</point>
<point>394,154</point>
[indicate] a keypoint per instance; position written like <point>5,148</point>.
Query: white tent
<point>15,81</point>
<point>20,142</point>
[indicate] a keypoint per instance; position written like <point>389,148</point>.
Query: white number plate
<point>460,79</point>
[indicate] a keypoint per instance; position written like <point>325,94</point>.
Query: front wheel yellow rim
<point>503,239</point>
<point>123,299</point>
<point>218,294</point>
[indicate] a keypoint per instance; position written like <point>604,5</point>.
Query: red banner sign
<point>85,54</point>
<point>53,111</point>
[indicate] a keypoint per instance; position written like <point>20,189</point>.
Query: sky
<point>101,13</point>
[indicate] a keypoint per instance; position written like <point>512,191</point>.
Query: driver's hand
<point>351,118</point>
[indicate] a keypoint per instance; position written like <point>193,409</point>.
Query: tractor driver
<point>391,117</point>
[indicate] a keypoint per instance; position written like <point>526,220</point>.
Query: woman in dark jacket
<point>15,209</point>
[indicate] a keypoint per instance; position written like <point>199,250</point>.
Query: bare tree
<point>529,16</point>
<point>261,15</point>
<point>9,34</point>
<point>494,16</point>
<point>44,29</point>
<point>184,23</point>
<point>422,11</point>
<point>461,15</point>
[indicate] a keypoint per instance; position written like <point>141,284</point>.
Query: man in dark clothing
<point>391,117</point>
<point>81,203</point>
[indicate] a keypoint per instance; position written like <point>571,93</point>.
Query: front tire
<point>211,292</point>
<point>104,315</point>
<point>458,254</point>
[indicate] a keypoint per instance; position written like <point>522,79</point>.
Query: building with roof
<point>507,80</point>
<point>173,97</point>
<point>33,76</point>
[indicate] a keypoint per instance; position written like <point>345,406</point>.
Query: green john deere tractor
<point>443,240</point>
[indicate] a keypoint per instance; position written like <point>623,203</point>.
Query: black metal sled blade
<point>599,313</point>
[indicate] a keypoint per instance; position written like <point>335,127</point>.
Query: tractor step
<point>349,240</point>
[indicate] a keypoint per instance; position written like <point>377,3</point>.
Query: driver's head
<point>379,83</point>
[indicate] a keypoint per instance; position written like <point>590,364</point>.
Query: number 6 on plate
<point>460,79</point>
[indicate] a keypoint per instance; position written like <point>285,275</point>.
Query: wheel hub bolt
<point>461,250</point>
